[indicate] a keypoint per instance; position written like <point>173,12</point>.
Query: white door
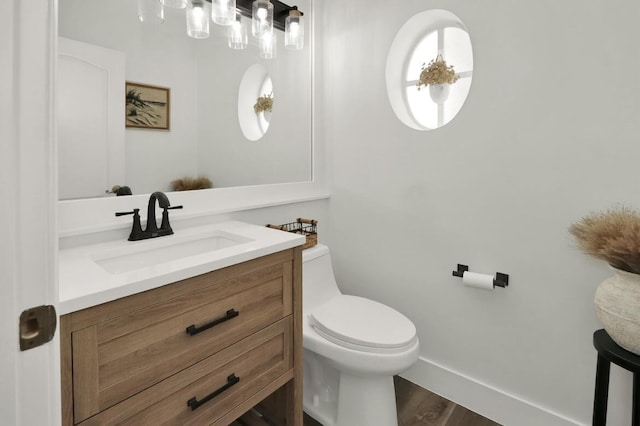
<point>29,380</point>
<point>90,112</point>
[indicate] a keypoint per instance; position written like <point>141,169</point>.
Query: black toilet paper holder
<point>500,280</point>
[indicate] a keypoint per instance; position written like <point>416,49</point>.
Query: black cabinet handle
<point>193,330</point>
<point>193,403</point>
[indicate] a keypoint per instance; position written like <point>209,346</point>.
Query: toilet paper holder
<point>500,279</point>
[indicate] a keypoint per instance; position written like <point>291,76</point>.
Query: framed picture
<point>147,107</point>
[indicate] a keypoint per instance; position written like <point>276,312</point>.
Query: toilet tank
<point>318,281</point>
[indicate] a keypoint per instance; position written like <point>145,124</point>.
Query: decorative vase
<point>439,92</point>
<point>617,303</point>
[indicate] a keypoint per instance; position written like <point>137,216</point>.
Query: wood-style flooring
<point>416,407</point>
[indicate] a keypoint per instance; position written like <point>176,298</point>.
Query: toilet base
<point>337,398</point>
<point>367,401</point>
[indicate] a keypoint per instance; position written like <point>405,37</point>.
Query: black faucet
<point>152,230</point>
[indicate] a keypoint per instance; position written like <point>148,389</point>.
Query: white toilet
<point>352,348</point>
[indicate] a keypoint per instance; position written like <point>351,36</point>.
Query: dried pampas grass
<point>612,236</point>
<point>188,183</point>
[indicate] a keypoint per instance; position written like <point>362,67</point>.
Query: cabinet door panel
<point>257,361</point>
<point>140,349</point>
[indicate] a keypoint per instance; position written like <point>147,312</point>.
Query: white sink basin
<point>143,256</point>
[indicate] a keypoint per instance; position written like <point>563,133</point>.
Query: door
<point>29,380</point>
<point>90,111</point>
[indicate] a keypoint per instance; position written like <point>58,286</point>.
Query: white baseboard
<point>495,404</point>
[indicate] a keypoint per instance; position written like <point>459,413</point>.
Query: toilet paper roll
<point>474,279</point>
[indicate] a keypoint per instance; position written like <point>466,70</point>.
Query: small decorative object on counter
<point>119,190</point>
<point>614,236</point>
<point>306,227</point>
<point>189,183</point>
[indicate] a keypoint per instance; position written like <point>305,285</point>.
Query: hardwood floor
<point>416,407</point>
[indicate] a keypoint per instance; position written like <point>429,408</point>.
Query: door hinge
<point>37,326</point>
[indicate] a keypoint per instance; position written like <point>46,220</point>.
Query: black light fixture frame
<point>280,11</point>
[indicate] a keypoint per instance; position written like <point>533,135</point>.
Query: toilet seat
<point>363,324</point>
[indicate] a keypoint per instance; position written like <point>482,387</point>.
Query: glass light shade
<point>238,38</point>
<point>261,18</point>
<point>268,44</point>
<point>294,31</point>
<point>150,11</point>
<point>175,4</point>
<point>223,12</point>
<point>198,12</point>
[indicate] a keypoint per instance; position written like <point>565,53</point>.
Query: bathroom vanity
<point>203,348</point>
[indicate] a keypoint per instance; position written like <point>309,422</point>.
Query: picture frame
<point>147,106</point>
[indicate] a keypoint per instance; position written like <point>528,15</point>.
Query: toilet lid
<point>368,325</point>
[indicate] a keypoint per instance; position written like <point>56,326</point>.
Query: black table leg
<point>601,392</point>
<point>635,416</point>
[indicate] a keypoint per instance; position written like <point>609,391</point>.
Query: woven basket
<point>306,227</point>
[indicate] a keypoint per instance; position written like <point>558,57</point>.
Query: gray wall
<point>548,133</point>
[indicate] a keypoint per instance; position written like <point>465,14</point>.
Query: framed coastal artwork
<point>147,107</point>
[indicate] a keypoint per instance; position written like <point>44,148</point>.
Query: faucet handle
<point>134,212</point>
<point>136,229</point>
<point>165,226</point>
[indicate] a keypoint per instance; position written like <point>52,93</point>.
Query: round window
<point>255,101</point>
<point>429,69</point>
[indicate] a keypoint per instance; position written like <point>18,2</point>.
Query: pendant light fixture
<point>198,12</point>
<point>266,15</point>
<point>238,38</point>
<point>150,12</point>
<point>267,46</point>
<point>223,12</point>
<point>175,4</point>
<point>294,30</point>
<point>262,18</point>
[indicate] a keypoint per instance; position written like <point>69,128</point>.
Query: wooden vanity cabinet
<point>200,351</point>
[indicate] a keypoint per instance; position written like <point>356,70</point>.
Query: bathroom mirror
<point>203,78</point>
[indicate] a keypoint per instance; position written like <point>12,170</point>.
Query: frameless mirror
<point>204,136</point>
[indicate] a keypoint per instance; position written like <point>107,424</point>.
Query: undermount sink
<point>144,255</point>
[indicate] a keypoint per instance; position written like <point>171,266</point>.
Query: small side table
<point>608,352</point>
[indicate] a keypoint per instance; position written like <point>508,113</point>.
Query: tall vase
<point>617,303</point>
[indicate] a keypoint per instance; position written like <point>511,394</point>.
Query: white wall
<point>548,133</point>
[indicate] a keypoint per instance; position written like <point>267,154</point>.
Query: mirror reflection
<point>103,45</point>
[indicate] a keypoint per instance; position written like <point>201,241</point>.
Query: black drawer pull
<point>231,313</point>
<point>193,403</point>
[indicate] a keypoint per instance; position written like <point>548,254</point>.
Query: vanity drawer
<point>255,362</point>
<point>122,355</point>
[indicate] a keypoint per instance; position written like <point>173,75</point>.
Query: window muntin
<point>454,45</point>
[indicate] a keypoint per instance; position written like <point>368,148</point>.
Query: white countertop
<point>84,283</point>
